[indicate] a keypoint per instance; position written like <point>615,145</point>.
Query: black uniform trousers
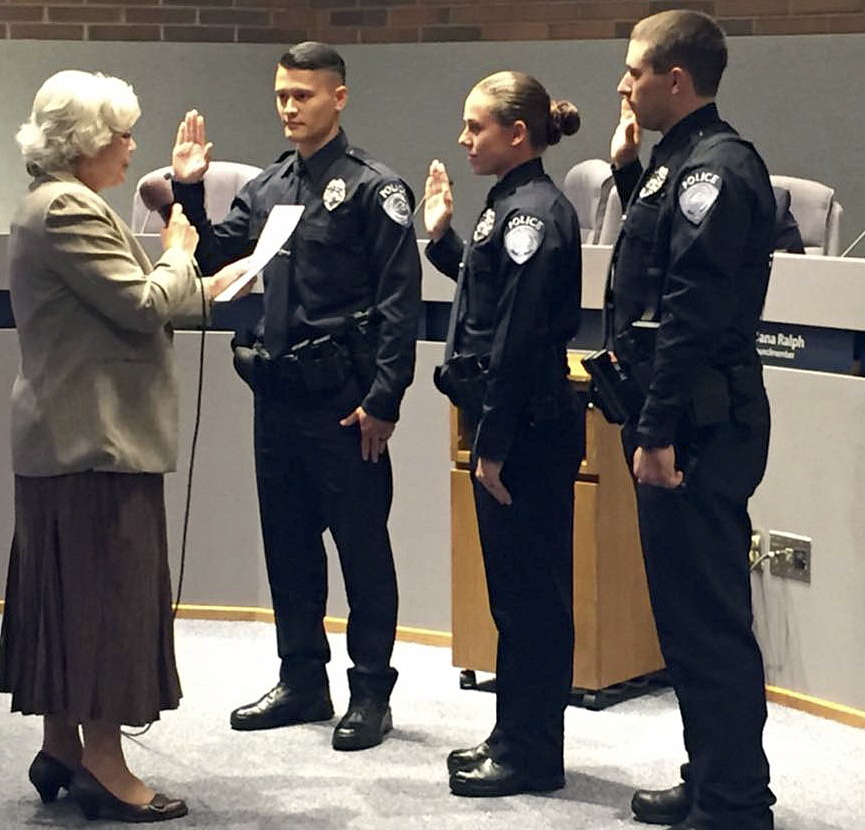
<point>695,541</point>
<point>311,477</point>
<point>528,558</point>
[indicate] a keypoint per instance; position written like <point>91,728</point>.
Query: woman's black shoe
<point>48,775</point>
<point>97,802</point>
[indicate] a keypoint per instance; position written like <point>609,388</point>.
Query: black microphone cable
<point>199,394</point>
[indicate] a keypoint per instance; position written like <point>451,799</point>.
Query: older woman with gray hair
<point>87,636</point>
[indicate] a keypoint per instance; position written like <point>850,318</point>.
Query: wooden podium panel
<point>474,633</point>
<point>615,637</point>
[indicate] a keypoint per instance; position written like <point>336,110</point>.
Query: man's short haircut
<point>690,39</point>
<point>314,55</point>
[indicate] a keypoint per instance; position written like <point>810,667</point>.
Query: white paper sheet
<point>276,232</point>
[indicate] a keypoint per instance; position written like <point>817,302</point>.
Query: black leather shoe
<point>283,706</point>
<point>97,802</point>
<point>489,778</point>
<point>364,725</point>
<point>768,823</point>
<point>662,806</point>
<point>465,758</point>
<point>48,775</point>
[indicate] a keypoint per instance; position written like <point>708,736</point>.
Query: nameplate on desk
<point>806,347</point>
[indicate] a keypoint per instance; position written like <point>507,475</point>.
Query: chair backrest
<point>613,215</point>
<point>588,185</point>
<point>221,183</point>
<point>817,213</point>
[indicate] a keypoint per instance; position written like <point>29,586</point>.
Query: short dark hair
<point>690,39</point>
<point>314,55</point>
<point>515,96</point>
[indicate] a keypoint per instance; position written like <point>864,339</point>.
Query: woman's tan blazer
<point>97,387</point>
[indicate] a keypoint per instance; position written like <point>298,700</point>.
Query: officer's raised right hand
<point>191,155</point>
<point>438,201</point>
<point>625,144</point>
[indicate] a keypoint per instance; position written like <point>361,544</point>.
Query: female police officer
<point>517,304</point>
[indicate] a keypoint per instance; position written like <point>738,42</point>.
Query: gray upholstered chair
<point>588,185</point>
<point>221,183</point>
<point>613,215</point>
<point>817,213</point>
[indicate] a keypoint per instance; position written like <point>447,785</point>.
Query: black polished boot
<point>284,705</point>
<point>48,775</point>
<point>669,806</point>
<point>364,725</point>
<point>490,778</point>
<point>465,758</point>
<point>97,802</point>
<point>368,718</point>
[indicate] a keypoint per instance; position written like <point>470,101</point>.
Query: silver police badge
<point>699,191</point>
<point>484,226</point>
<point>523,236</point>
<point>334,194</point>
<point>395,203</point>
<point>655,182</point>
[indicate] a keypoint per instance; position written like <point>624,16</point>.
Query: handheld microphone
<point>156,194</point>
<point>158,197</point>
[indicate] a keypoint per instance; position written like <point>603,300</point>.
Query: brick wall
<point>399,21</point>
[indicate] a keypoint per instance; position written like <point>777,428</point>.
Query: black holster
<point>251,362</point>
<point>613,389</point>
<point>463,378</point>
<point>361,342</point>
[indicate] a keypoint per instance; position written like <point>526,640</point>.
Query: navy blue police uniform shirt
<point>521,297</point>
<point>354,249</point>
<point>698,233</point>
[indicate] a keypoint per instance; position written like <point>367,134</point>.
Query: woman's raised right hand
<point>178,233</point>
<point>438,201</point>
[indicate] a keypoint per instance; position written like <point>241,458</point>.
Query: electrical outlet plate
<point>756,551</point>
<point>790,556</point>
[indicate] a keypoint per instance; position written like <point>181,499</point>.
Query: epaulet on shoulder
<point>364,158</point>
<point>727,133</point>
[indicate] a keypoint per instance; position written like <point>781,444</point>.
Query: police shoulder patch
<point>698,191</point>
<point>523,236</point>
<point>395,203</point>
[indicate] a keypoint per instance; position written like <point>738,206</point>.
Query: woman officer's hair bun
<point>515,96</point>
<point>564,120</point>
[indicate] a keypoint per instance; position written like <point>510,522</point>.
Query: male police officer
<point>691,266</point>
<point>328,365</point>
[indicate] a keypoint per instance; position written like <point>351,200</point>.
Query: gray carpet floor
<point>291,778</point>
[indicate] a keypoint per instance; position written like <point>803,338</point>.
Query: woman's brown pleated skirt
<point>87,625</point>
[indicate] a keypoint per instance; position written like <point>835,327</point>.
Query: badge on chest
<point>334,194</point>
<point>655,182</point>
<point>484,226</point>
